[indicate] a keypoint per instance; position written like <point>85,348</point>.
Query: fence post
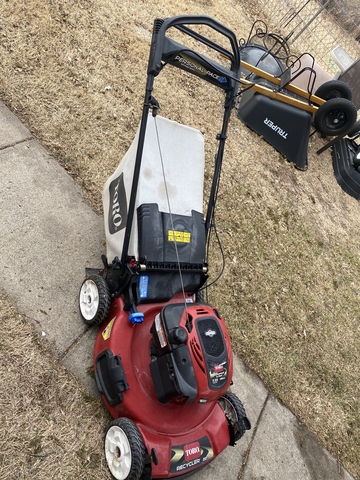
<point>311,20</point>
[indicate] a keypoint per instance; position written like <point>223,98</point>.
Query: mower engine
<point>191,354</point>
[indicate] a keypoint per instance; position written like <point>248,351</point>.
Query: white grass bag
<point>182,153</point>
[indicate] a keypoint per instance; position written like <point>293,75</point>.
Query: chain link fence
<point>316,27</point>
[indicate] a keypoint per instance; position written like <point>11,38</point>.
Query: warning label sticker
<point>178,236</point>
<point>107,330</point>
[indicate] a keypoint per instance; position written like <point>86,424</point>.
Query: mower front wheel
<point>124,450</point>
<point>335,117</point>
<point>236,416</point>
<point>94,300</point>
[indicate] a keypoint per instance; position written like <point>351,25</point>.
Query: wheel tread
<point>334,89</point>
<point>243,424</point>
<point>137,446</point>
<point>104,300</point>
<point>335,104</point>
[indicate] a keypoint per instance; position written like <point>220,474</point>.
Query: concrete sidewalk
<point>48,235</point>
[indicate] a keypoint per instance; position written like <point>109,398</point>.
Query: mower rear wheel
<point>200,296</point>
<point>335,117</point>
<point>124,449</point>
<point>94,300</point>
<point>334,89</point>
<point>236,416</point>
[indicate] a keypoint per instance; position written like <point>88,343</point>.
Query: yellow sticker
<point>107,330</point>
<point>179,237</point>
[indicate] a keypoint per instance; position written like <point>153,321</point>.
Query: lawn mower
<point>162,358</point>
<point>275,106</point>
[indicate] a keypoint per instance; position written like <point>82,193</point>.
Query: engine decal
<point>210,333</point>
<point>217,374</point>
<point>184,457</point>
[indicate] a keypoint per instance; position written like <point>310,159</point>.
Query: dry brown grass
<point>49,424</point>
<point>74,72</point>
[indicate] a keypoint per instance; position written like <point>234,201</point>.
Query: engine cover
<point>191,354</point>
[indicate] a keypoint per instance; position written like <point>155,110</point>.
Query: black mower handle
<point>164,49</point>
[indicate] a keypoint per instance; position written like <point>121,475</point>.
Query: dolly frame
<point>340,112</point>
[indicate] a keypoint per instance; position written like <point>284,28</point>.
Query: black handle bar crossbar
<point>164,49</point>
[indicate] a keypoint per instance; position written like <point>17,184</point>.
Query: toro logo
<point>192,451</point>
<point>117,214</point>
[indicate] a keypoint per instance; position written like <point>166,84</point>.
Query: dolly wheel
<point>334,89</point>
<point>94,300</point>
<point>124,450</point>
<point>354,130</point>
<point>335,117</point>
<point>236,416</point>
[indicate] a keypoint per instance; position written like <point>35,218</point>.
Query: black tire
<point>335,117</point>
<point>236,416</point>
<point>124,450</point>
<point>94,300</point>
<point>334,89</point>
<point>354,130</point>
